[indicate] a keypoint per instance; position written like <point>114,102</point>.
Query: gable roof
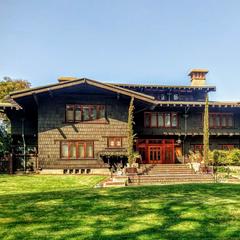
<point>150,86</point>
<point>120,89</point>
<point>65,84</point>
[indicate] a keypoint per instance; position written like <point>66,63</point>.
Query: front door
<point>155,154</point>
<point>157,151</point>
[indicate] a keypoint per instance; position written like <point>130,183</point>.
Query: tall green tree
<point>8,85</point>
<point>131,134</point>
<point>206,132</point>
<point>5,137</point>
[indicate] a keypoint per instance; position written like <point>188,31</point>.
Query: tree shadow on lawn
<point>194,211</point>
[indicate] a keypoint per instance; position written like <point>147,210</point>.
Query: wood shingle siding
<point>52,129</point>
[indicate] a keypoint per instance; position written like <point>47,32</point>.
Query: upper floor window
<point>160,120</point>
<point>175,97</point>
<point>162,97</point>
<point>114,142</point>
<point>77,149</point>
<point>220,120</point>
<point>80,113</point>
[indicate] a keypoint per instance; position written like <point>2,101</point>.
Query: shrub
<point>234,157</point>
<point>224,157</point>
<point>194,156</point>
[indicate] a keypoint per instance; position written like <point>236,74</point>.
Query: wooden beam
<point>35,98</point>
<point>50,93</point>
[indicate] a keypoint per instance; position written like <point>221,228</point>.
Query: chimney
<point>66,79</point>
<point>198,77</point>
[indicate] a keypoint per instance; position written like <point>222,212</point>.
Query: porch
<point>159,151</point>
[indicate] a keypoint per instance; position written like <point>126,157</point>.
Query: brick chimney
<point>66,79</point>
<point>198,77</point>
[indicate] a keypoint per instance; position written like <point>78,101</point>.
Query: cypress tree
<point>206,132</point>
<point>130,132</point>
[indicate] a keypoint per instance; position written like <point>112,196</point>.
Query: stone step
<point>169,182</point>
<point>170,176</point>
<point>155,179</point>
<point>172,168</point>
<point>175,181</point>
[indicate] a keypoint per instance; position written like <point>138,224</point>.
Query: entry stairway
<point>169,174</point>
<point>158,174</point>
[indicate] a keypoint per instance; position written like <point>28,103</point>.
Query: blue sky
<point>128,41</point>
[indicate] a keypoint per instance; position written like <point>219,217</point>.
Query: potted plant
<point>132,165</point>
<point>195,159</point>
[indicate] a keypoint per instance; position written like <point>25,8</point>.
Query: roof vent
<point>198,77</point>
<point>66,79</point>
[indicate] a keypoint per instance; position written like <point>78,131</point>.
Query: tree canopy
<point>8,85</point>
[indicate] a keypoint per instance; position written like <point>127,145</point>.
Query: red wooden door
<point>157,151</point>
<point>155,154</point>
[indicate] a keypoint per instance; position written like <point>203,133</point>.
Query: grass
<point>68,207</point>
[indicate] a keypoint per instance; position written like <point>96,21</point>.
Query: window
<point>154,120</point>
<point>160,120</point>
<point>175,97</point>
<point>162,97</point>
<point>81,113</point>
<point>220,120</point>
<point>70,113</point>
<point>198,148</point>
<point>76,149</point>
<point>174,120</point>
<point>114,142</point>
<point>227,146</point>
<point>167,120</point>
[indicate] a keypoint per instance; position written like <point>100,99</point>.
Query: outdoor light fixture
<point>179,141</point>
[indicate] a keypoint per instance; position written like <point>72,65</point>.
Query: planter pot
<point>196,166</point>
<point>135,165</point>
<point>119,173</point>
<point>131,170</point>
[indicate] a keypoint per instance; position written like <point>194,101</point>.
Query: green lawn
<point>68,207</point>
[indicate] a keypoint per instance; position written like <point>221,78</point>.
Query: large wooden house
<point>78,123</point>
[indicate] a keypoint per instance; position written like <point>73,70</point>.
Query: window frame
<point>163,114</point>
<point>198,148</point>
<point>213,120</point>
<point>76,143</point>
<point>115,142</point>
<point>90,107</point>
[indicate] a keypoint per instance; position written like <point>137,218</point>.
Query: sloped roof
<point>61,85</point>
<point>206,87</point>
<point>198,104</point>
<point>121,89</point>
<point>9,105</point>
